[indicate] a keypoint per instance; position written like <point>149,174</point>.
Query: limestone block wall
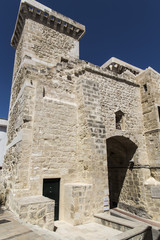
<point>44,43</point>
<point>149,87</point>
<point>69,113</point>
<point>78,203</point>
<point>63,118</point>
<point>101,101</point>
<point>36,210</point>
<point>54,134</point>
<point>92,158</point>
<point>18,59</point>
<point>16,164</point>
<point>149,82</point>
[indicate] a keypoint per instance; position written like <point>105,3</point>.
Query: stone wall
<point>44,43</point>
<point>67,117</point>
<point>36,210</point>
<point>101,101</point>
<point>70,112</point>
<point>149,87</point>
<point>78,203</point>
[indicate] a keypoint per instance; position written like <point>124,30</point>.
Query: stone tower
<point>79,135</point>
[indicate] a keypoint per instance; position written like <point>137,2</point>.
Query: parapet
<point>119,66</point>
<point>38,12</point>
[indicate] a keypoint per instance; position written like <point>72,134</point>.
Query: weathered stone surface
<point>78,197</point>
<point>34,210</point>
<point>94,128</point>
<point>155,191</point>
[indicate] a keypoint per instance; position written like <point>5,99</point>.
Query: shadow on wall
<point>120,152</point>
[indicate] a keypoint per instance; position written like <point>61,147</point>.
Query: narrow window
<point>119,117</point>
<point>44,92</point>
<point>145,87</point>
<point>159,112</point>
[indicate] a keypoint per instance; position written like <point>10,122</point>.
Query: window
<point>145,87</point>
<point>44,92</point>
<point>159,112</point>
<point>119,117</point>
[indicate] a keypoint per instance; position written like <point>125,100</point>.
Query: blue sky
<point>128,30</point>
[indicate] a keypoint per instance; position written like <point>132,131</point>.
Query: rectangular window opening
<point>145,87</point>
<point>159,112</point>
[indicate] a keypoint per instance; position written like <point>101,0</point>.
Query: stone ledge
<point>141,232</point>
<point>36,210</point>
<point>34,200</point>
<point>116,220</point>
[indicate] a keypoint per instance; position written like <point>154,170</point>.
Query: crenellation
<point>39,13</point>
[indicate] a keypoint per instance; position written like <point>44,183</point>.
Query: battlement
<point>40,13</point>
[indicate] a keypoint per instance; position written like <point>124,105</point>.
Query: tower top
<point>39,12</point>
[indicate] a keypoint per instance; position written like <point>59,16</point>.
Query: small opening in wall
<point>44,92</point>
<point>31,82</point>
<point>30,8</point>
<point>159,112</point>
<point>45,14</point>
<point>52,18</point>
<point>145,87</point>
<point>65,24</point>
<point>38,11</point>
<point>119,117</point>
<point>71,27</point>
<point>58,21</point>
<point>64,60</point>
<point>69,77</point>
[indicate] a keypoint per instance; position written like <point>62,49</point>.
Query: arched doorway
<point>120,152</point>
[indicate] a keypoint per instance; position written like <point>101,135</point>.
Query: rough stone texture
<point>95,129</point>
<point>2,190</point>
<point>37,210</point>
<point>78,199</point>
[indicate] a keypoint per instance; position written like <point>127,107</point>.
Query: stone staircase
<point>132,227</point>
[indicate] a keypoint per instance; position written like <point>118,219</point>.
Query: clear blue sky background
<point>126,29</point>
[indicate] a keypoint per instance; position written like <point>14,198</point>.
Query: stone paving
<point>17,230</point>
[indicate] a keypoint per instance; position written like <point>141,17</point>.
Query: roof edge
<point>119,63</point>
<point>33,9</point>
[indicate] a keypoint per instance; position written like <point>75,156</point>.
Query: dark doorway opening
<point>120,152</point>
<point>51,189</point>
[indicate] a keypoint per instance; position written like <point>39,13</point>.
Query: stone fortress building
<point>86,136</point>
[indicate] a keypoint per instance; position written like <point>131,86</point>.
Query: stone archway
<point>120,152</point>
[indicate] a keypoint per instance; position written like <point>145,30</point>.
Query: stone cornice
<point>119,66</point>
<point>40,13</point>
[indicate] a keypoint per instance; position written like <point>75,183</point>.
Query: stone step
<point>115,222</point>
<point>126,215</point>
<point>130,229</point>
